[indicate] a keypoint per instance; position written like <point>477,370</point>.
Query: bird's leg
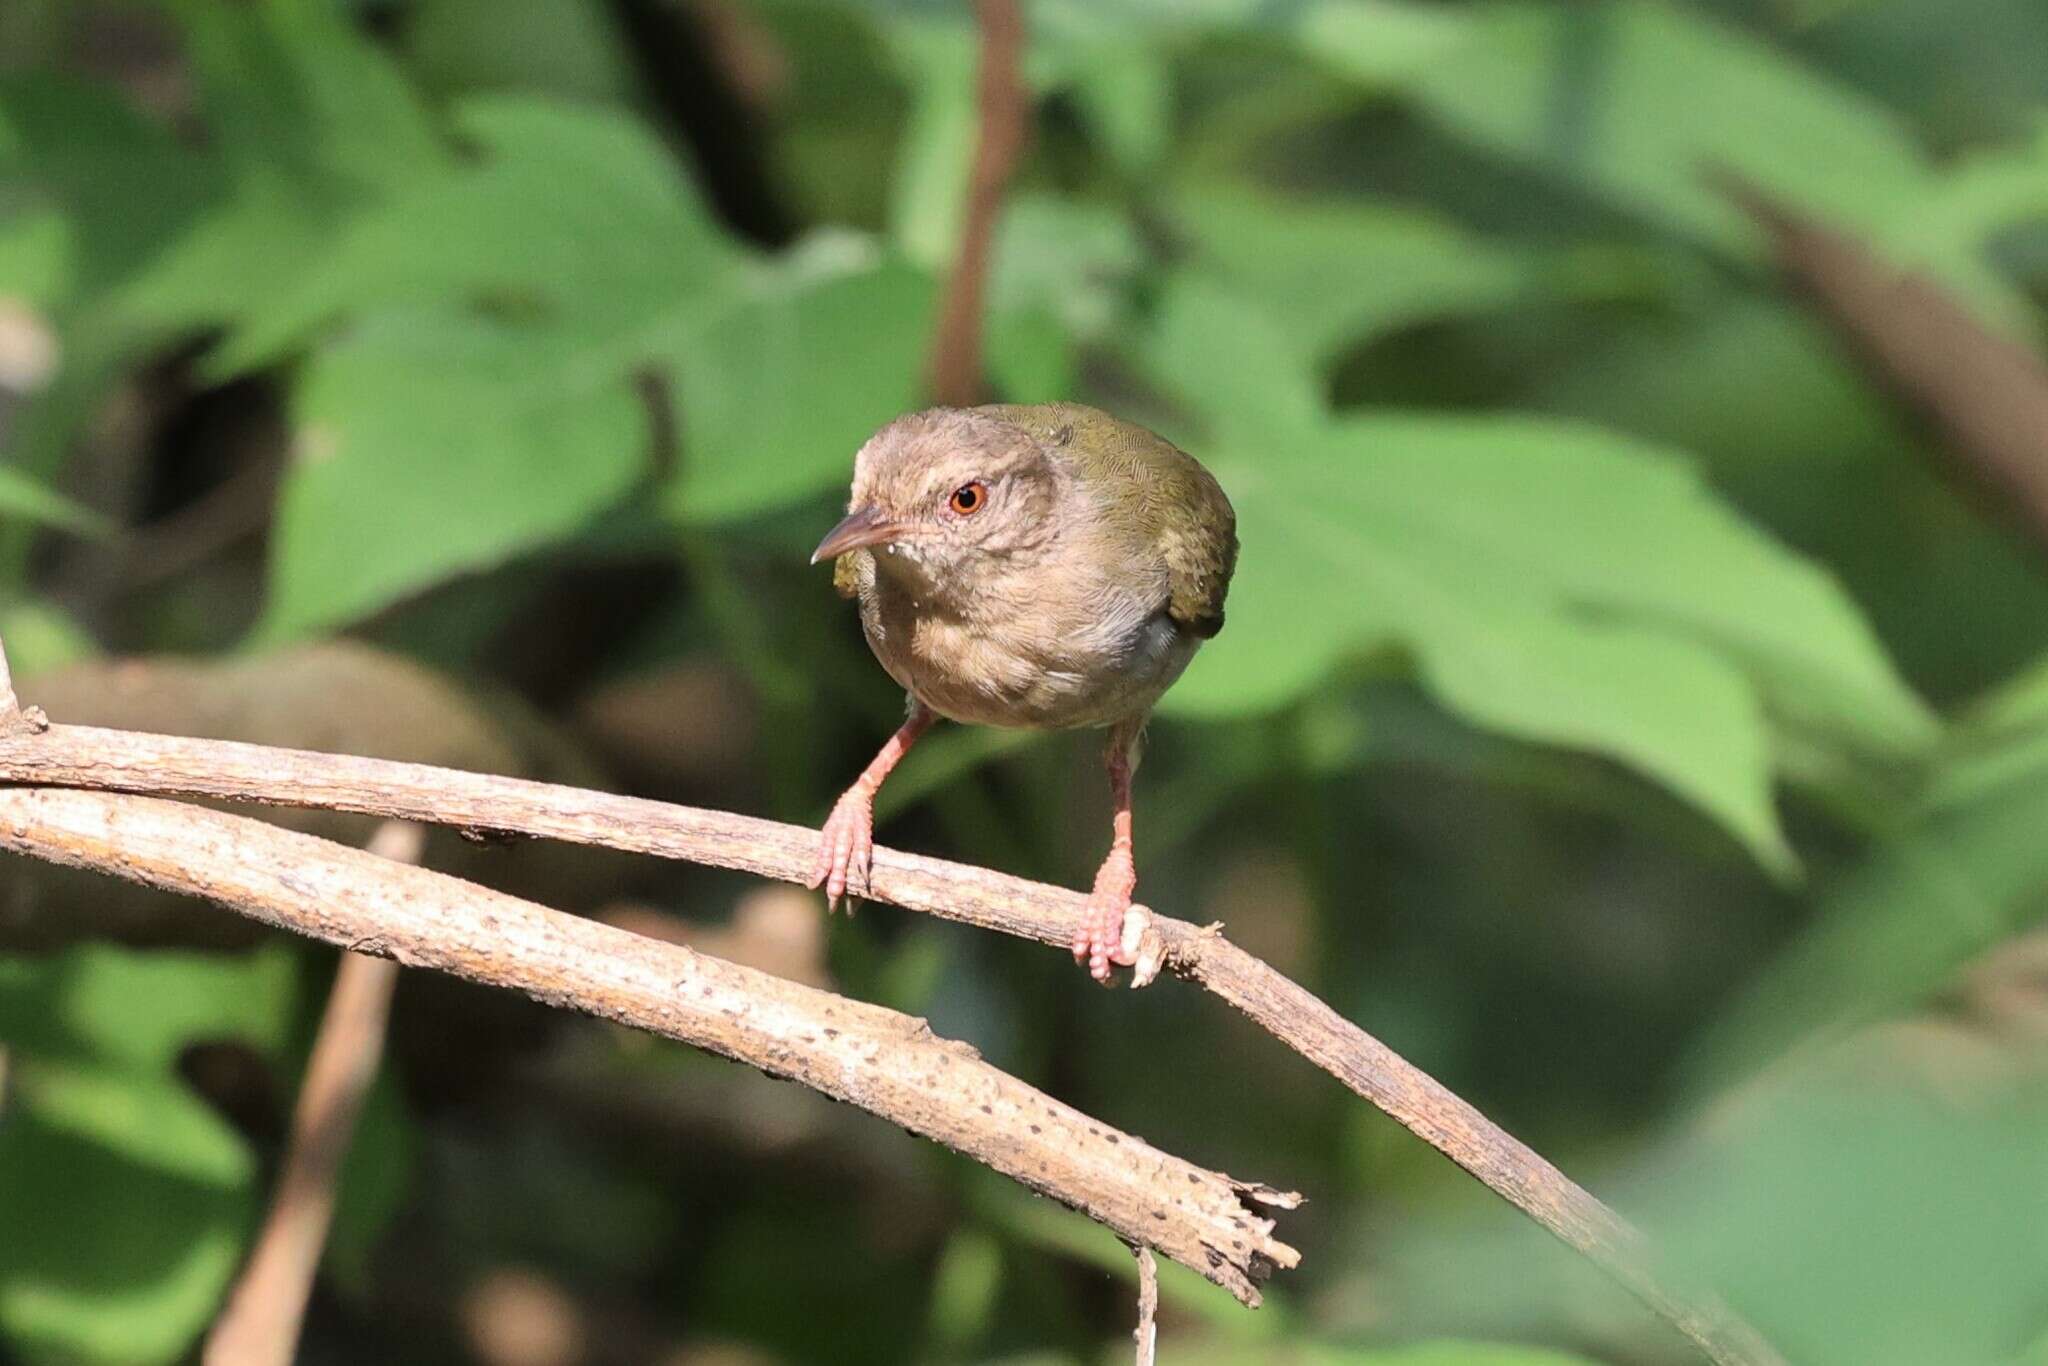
<point>847,851</point>
<point>1098,940</point>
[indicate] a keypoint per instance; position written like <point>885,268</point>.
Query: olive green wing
<point>1175,503</point>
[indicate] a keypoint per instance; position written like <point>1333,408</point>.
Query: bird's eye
<point>969,499</point>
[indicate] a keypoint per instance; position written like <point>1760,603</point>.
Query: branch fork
<point>886,1063</point>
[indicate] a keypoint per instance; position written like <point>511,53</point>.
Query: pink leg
<point>1098,940</point>
<point>846,853</point>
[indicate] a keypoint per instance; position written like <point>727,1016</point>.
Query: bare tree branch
<point>126,761</point>
<point>886,1063</point>
<point>260,1326</point>
<point>955,370</point>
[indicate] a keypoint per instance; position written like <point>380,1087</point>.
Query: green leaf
<point>1969,869</point>
<point>1861,1206</point>
<point>429,444</point>
<point>35,248</point>
<point>124,1195</point>
<point>139,1009</point>
<point>1509,645</point>
<point>134,237</point>
<point>965,1287</point>
<point>1441,1352</point>
<point>1242,369</point>
<point>1858,1221</point>
<point>307,120</point>
<point>519,230</point>
<point>1059,278</point>
<point>109,187</point>
<point>1980,196</point>
<point>124,1199</point>
<point>1379,42</point>
<point>41,637</point>
<point>1552,581</point>
<point>562,48</point>
<point>294,86</point>
<point>929,190</point>
<point>777,393</point>
<point>1125,91</point>
<point>1946,233</point>
<point>1635,101</point>
<point>1071,260</point>
<point>1336,271</point>
<point>154,1122</point>
<point>1449,1353</point>
<point>23,496</point>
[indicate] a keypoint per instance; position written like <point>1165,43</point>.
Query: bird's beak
<point>862,527</point>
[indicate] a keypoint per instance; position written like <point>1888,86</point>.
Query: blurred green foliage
<point>1615,699</point>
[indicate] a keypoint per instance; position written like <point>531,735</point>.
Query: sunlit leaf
<point>1969,869</point>
<point>116,186</point>
<point>293,84</point>
<point>928,190</point>
<point>152,1122</point>
<point>23,496</point>
<point>82,1277</point>
<point>1336,271</point>
<point>1554,581</point>
<point>141,1008</point>
<point>515,231</point>
<point>1637,101</point>
<point>561,48</point>
<point>125,1196</point>
<point>777,393</point>
<point>1073,261</point>
<point>430,443</point>
<point>1866,1224</point>
<point>1380,42</point>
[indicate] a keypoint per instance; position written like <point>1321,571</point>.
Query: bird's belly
<point>1082,672</point>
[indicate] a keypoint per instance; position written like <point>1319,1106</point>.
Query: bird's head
<point>946,493</point>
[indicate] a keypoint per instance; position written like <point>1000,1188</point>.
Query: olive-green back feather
<point>1166,493</point>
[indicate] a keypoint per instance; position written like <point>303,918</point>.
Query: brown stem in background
<point>260,1325</point>
<point>129,761</point>
<point>180,542</point>
<point>1987,394</point>
<point>955,371</point>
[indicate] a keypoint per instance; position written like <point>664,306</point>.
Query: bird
<point>1046,566</point>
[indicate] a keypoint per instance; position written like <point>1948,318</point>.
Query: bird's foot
<point>846,854</point>
<point>1098,939</point>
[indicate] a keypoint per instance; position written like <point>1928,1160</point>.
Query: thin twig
<point>955,368</point>
<point>129,761</point>
<point>260,1326</point>
<point>1147,1331</point>
<point>234,511</point>
<point>884,1062</point>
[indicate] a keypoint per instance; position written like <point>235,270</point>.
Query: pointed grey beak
<point>862,527</point>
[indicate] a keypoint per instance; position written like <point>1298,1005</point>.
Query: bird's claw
<point>1098,939</point>
<point>846,852</point>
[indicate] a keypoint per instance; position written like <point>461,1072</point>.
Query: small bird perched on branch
<point>1044,566</point>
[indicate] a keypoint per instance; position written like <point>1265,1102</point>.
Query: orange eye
<point>969,499</point>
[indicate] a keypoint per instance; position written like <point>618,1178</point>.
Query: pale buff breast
<point>1082,654</point>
